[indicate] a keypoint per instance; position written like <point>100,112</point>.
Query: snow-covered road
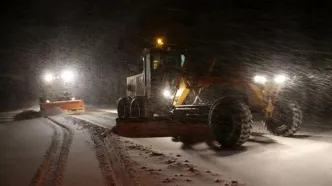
<point>22,150</point>
<point>53,151</point>
<point>265,160</point>
<point>68,150</point>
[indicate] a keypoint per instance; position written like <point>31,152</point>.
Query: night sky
<point>102,39</point>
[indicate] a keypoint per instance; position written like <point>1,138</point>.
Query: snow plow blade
<point>157,127</point>
<point>74,106</point>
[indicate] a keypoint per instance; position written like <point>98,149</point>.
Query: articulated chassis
<point>228,119</point>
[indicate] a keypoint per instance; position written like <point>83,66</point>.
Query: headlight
<point>259,79</point>
<point>67,76</point>
<point>48,77</point>
<point>167,93</point>
<point>280,79</point>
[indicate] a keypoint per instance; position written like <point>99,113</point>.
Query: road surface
<point>67,150</point>
<point>304,159</point>
<point>53,151</point>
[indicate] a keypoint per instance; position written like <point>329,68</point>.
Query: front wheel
<point>286,119</point>
<point>123,107</point>
<point>138,107</point>
<point>230,121</point>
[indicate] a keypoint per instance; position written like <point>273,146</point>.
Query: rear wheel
<point>230,121</point>
<point>123,108</point>
<point>286,119</point>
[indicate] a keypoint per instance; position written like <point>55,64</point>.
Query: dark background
<point>102,40</point>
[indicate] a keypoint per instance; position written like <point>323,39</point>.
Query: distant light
<point>259,79</point>
<point>48,77</point>
<point>279,79</point>
<point>67,76</point>
<point>73,98</point>
<point>160,42</point>
<point>47,101</point>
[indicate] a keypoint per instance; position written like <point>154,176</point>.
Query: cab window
<point>160,59</point>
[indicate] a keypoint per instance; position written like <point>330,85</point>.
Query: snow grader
<point>165,100</point>
<point>58,93</point>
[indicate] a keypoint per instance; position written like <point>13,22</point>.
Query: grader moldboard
<point>165,101</point>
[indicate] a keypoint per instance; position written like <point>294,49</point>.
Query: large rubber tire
<point>138,107</point>
<point>230,121</point>
<point>286,119</point>
<point>123,107</point>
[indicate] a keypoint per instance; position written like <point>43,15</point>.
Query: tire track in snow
<point>109,162</point>
<point>43,170</point>
<point>64,152</point>
<point>50,172</point>
<point>104,164</point>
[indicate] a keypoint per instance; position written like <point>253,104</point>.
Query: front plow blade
<point>158,127</point>
<point>75,105</point>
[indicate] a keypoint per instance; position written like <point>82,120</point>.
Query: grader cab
<point>166,100</point>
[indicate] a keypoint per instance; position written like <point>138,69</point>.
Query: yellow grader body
<point>157,103</point>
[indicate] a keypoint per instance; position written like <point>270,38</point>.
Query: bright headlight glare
<point>259,79</point>
<point>280,79</point>
<point>167,93</point>
<point>67,76</point>
<point>48,77</point>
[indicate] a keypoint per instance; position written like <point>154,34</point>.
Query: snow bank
<point>52,112</point>
<point>31,114</point>
<point>27,114</point>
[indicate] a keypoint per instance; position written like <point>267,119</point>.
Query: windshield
<point>170,59</point>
